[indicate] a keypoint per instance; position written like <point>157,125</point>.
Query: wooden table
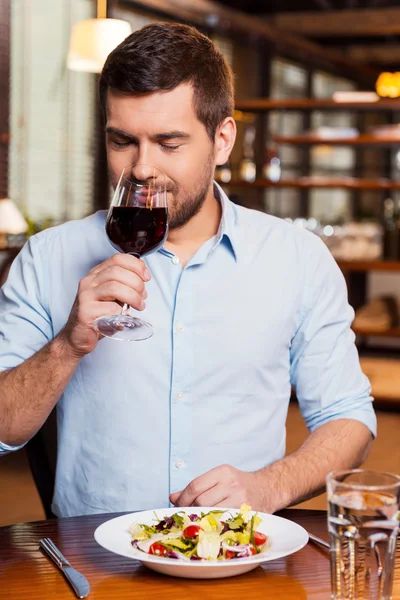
<point>27,574</point>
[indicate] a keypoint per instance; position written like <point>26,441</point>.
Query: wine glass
<point>137,224</point>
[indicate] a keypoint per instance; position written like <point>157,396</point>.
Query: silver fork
<point>78,582</point>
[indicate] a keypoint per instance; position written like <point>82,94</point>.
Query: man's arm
<point>337,445</point>
<point>28,392</point>
<point>333,395</point>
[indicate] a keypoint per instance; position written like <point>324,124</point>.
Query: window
<point>334,204</point>
<point>52,113</point>
<point>288,80</point>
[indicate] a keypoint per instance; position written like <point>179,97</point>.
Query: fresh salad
<point>216,535</point>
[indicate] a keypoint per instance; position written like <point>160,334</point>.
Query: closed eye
<point>169,148</point>
<point>121,144</point>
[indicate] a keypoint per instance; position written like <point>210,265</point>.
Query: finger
<point>212,497</point>
<point>174,497</point>
<point>230,502</point>
<point>126,261</point>
<point>116,273</point>
<point>198,486</point>
<point>206,501</point>
<point>104,309</point>
<point>225,504</point>
<point>112,290</point>
<point>89,311</point>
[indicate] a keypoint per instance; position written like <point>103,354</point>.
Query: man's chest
<point>223,328</point>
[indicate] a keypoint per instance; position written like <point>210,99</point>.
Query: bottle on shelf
<point>247,166</point>
<point>272,163</point>
<point>390,230</point>
<point>223,173</point>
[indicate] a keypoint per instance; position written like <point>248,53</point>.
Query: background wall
<point>52,109</point>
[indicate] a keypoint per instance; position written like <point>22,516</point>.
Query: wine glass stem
<point>125,308</point>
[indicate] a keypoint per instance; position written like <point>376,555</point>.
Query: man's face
<point>161,129</point>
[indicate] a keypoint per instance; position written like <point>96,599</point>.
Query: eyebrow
<point>171,135</point>
<point>168,135</point>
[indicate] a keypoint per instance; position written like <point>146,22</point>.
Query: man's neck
<point>185,241</point>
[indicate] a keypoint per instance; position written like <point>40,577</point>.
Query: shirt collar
<point>227,231</point>
<point>228,225</point>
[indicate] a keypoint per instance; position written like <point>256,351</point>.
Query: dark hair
<point>162,56</point>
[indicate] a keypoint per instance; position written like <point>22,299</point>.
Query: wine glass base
<point>123,327</point>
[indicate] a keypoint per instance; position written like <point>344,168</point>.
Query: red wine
<point>134,230</point>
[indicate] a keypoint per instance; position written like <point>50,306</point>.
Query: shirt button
<point>179,395</point>
<point>179,463</point>
<point>180,327</point>
<point>175,260</point>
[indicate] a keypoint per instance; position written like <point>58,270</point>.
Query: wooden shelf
<point>265,104</point>
<point>369,265</point>
<point>349,183</point>
<point>384,375</point>
<point>361,140</point>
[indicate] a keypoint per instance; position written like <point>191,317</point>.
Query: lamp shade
<point>11,220</point>
<point>92,41</point>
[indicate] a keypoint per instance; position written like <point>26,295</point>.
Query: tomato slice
<point>259,538</point>
<point>253,550</point>
<point>191,531</point>
<point>229,554</point>
<point>158,549</point>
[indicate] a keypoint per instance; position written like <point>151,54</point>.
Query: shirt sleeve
<point>25,323</point>
<point>325,367</point>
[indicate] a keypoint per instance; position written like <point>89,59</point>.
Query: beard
<point>186,204</point>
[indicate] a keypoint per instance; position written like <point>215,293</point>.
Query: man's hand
<point>116,281</point>
<point>223,486</point>
<point>338,445</point>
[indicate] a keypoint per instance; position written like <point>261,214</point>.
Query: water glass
<point>363,510</point>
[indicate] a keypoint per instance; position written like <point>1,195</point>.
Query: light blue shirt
<point>260,307</point>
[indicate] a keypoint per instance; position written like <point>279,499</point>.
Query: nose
<point>143,172</point>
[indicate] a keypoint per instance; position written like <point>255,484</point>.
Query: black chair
<point>6,263</point>
<point>42,456</point>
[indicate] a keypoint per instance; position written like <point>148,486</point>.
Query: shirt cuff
<point>365,415</point>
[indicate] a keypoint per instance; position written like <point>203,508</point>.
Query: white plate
<point>284,538</point>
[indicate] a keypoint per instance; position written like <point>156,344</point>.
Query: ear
<point>225,137</point>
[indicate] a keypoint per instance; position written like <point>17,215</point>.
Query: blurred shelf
<point>384,375</point>
<point>349,183</point>
<point>390,333</point>
<point>360,140</point>
<point>265,104</point>
<point>369,265</point>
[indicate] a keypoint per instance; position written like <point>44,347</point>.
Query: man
<point>243,306</point>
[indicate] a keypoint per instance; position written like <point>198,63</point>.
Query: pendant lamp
<point>92,40</point>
